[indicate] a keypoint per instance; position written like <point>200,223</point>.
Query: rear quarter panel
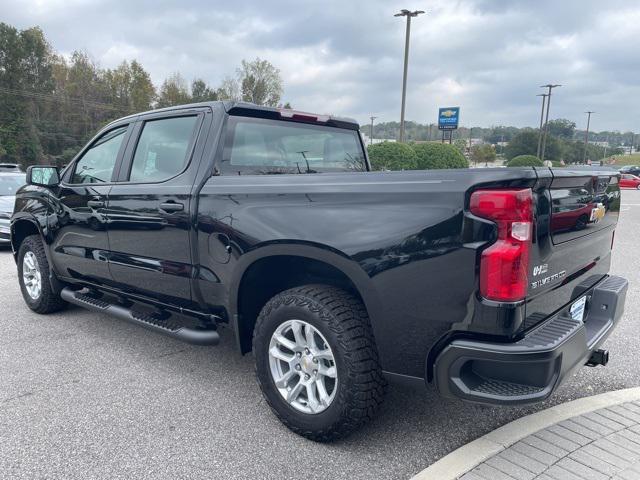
<point>406,233</point>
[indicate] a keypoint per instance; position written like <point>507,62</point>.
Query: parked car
<point>10,183</point>
<point>631,170</point>
<point>10,167</point>
<point>188,219</point>
<point>629,181</point>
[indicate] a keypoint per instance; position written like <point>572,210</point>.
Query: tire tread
<point>347,317</point>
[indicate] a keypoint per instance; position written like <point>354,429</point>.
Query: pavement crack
<point>31,393</point>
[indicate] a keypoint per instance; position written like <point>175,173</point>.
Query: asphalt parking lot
<point>87,396</point>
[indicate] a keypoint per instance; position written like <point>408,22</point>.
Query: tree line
<point>565,143</point>
<point>560,128</point>
<point>50,106</point>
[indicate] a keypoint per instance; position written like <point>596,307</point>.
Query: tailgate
<point>576,214</point>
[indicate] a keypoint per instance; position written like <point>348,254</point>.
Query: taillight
<point>504,265</point>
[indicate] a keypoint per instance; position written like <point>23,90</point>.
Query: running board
<point>166,327</point>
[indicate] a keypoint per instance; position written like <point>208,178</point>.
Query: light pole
<point>586,137</point>
<point>409,14</point>
<point>544,99</point>
<point>546,120</point>
<point>371,131</point>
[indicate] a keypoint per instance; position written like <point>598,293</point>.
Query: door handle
<point>171,207</point>
<point>95,203</point>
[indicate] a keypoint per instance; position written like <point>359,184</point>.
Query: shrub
<point>525,161</point>
<point>392,156</point>
<point>439,155</point>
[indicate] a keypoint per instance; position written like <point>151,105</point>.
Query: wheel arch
<point>21,228</point>
<point>270,269</point>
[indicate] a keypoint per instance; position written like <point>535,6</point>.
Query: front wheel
<point>33,275</point>
<point>316,361</point>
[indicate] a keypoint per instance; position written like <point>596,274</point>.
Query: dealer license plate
<point>577,309</point>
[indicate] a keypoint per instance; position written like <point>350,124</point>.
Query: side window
<point>162,149</point>
<point>97,163</point>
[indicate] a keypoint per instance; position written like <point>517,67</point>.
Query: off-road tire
<point>48,301</point>
<point>343,321</point>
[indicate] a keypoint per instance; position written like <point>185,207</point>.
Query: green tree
<point>562,128</point>
<point>392,156</point>
<point>439,155</point>
<point>483,153</point>
<point>143,93</point>
<point>526,143</point>
<point>173,91</point>
<point>525,161</point>
<point>25,78</point>
<point>260,82</point>
<point>201,92</point>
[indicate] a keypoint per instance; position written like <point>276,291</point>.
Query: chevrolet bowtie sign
<point>448,118</point>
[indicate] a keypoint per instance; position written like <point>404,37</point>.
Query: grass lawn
<point>628,159</point>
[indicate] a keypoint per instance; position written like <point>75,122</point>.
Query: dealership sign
<point>448,118</point>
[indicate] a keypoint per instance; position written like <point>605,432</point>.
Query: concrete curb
<point>460,461</point>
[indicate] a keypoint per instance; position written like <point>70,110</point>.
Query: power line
<point>58,98</point>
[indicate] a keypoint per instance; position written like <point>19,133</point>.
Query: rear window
<point>260,146</point>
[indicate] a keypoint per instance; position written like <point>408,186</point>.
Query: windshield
<point>9,184</point>
<point>260,146</point>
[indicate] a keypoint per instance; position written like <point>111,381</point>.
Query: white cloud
<point>488,56</point>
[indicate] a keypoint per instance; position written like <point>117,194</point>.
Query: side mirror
<point>44,176</point>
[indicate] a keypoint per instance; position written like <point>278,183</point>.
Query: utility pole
<point>470,137</point>
<point>544,99</point>
<point>633,137</point>
<point>371,131</point>
<point>409,14</point>
<point>586,137</point>
<point>546,120</point>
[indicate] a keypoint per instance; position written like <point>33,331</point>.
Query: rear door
<point>149,208</point>
<point>577,212</point>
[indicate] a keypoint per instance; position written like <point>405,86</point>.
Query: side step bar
<point>166,327</point>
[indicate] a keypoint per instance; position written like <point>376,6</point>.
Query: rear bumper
<point>530,369</point>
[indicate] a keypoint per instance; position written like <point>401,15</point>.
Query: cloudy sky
<point>345,57</point>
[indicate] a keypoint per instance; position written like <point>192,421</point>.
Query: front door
<point>80,244</point>
<point>149,221</point>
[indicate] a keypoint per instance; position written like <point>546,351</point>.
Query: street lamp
<point>371,131</point>
<point>409,14</point>
<point>546,121</point>
<point>544,99</point>
<point>586,137</point>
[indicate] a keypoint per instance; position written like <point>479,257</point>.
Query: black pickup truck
<point>491,284</point>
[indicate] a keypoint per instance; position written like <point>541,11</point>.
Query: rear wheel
<point>316,361</point>
<point>33,275</point>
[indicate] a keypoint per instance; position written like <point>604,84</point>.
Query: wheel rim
<point>31,276</point>
<point>303,367</point>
